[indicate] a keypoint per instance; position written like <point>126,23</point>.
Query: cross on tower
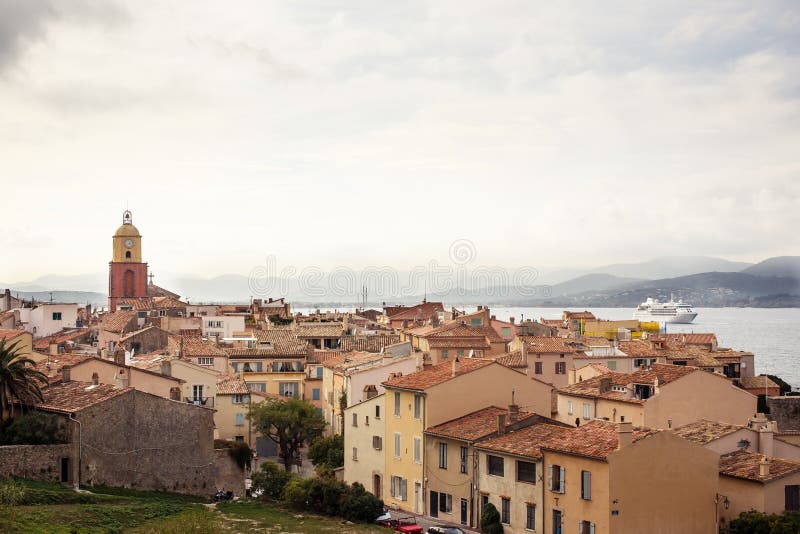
<point>150,276</point>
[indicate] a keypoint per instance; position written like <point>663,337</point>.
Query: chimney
<point>624,434</point>
<point>513,413</point>
<point>53,348</point>
<point>95,379</point>
<point>765,440</point>
<point>121,380</point>
<point>511,320</point>
<point>605,385</point>
<point>119,355</point>
<point>65,374</point>
<point>456,366</point>
<point>493,317</point>
<point>166,368</point>
<point>501,423</point>
<point>763,467</point>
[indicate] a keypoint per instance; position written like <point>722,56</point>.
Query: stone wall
<point>36,462</point>
<point>785,411</point>
<point>141,441</point>
<point>228,475</point>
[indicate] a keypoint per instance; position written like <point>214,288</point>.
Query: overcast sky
<point>358,133</point>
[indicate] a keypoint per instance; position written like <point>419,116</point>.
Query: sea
<point>771,334</point>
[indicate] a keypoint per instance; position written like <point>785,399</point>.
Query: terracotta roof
<point>594,341</point>
<point>136,303</point>
<point>663,372</point>
<point>349,361</point>
<point>422,311</point>
<point>525,441</point>
<point>191,346</point>
<point>477,343</point>
<point>436,374</point>
<point>57,361</point>
<point>75,396</point>
<point>60,337</point>
<point>457,328</point>
<point>595,439</point>
<point>579,315</point>
<point>757,382</point>
<point>688,339</point>
<point>168,303</point>
<point>373,343</point>
<point>746,465</point>
<point>8,334</point>
<point>116,321</point>
<point>320,330</point>
<point>705,431</point>
<point>473,426</point>
<point>262,353</point>
<point>281,341</point>
<point>603,369</point>
<point>321,356</point>
<point>231,386</point>
<point>515,360</point>
<point>550,344</point>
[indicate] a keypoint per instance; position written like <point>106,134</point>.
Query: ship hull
<point>679,318</point>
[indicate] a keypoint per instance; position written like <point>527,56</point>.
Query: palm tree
<point>19,380</point>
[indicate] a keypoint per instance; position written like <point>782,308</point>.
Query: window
<point>464,459</point>
<point>537,368</point>
<point>587,410</point>
<point>495,465</point>
<point>586,485</point>
<point>561,368</point>
<point>288,389</point>
<point>444,354</point>
<point>569,408</point>
<point>459,353</point>
<point>197,392</point>
<point>366,420</point>
<point>476,321</point>
<point>377,442</point>
<point>417,406</point>
<point>526,472</point>
<point>442,455</point>
<point>530,516</point>
<point>355,453</point>
<point>56,316</point>
<point>355,419</point>
<point>315,394</point>
<point>417,450</point>
<point>319,372</point>
<point>205,361</point>
<point>612,365</point>
<point>585,527</point>
<point>505,513</point>
<point>377,412</point>
<point>398,488</point>
<point>239,419</point>
<point>505,331</point>
<point>241,398</point>
<point>397,404</point>
<point>141,315</point>
<point>446,503</point>
<point>792,494</point>
<point>397,444</point>
<point>555,477</point>
<point>257,386</point>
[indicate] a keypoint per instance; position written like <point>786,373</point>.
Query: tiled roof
<point>281,341</point>
<point>579,315</point>
<point>747,465</point>
<point>515,360</point>
<point>136,303</point>
<point>436,374</point>
<point>8,334</point>
<point>191,346</point>
<point>423,311</point>
<point>525,441</point>
<point>57,361</point>
<point>74,396</point>
<point>458,328</point>
<point>373,343</point>
<point>664,373</point>
<point>321,356</point>
<point>478,343</point>
<point>757,382</point>
<point>550,344</point>
<point>473,426</point>
<point>594,341</point>
<point>349,361</point>
<point>60,337</point>
<point>603,369</point>
<point>116,321</point>
<point>319,330</point>
<point>637,347</point>
<point>135,333</point>
<point>595,439</point>
<point>168,303</point>
<point>261,353</point>
<point>688,339</point>
<point>705,431</point>
<point>231,386</point>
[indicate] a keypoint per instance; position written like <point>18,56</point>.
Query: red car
<point>406,525</point>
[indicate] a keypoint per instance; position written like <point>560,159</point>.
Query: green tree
<point>342,408</point>
<point>490,520</point>
<point>34,428</point>
<point>753,522</point>
<point>271,480</point>
<point>20,382</point>
<point>327,451</point>
<point>290,424</point>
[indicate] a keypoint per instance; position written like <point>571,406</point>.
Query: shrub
<point>753,522</point>
<point>359,505</point>
<point>327,451</point>
<point>490,520</point>
<point>331,497</point>
<point>272,480</point>
<point>34,428</point>
<point>296,493</point>
<point>12,493</point>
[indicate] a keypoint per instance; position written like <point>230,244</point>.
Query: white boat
<point>665,312</point>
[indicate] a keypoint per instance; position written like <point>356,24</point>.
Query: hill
<point>785,266</point>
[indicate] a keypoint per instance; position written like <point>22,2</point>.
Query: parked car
<point>444,529</point>
<point>406,525</point>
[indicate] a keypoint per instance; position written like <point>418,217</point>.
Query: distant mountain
<point>79,297</point>
<point>786,266</point>
<point>93,282</point>
<point>591,282</point>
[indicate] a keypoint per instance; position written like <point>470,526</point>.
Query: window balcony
<point>208,402</point>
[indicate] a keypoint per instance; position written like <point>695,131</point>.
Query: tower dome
<point>127,229</point>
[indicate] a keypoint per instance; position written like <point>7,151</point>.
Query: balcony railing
<point>208,402</point>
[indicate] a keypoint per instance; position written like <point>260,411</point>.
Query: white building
<point>47,318</point>
<point>222,326</point>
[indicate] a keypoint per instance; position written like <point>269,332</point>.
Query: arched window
<point>128,284</point>
<point>175,394</point>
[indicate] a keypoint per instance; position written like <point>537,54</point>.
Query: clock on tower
<point>127,274</point>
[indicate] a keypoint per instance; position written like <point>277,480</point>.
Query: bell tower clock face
<point>128,243</point>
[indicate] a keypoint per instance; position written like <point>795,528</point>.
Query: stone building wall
<point>785,411</point>
<point>36,462</point>
<point>228,475</point>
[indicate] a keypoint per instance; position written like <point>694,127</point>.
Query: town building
<point>364,455</point>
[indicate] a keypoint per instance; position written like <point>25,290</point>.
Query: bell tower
<point>127,274</point>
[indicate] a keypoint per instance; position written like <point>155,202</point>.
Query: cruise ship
<point>665,312</point>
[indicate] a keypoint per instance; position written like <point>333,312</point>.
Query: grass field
<point>54,508</point>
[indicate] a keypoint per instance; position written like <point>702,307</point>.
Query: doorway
<point>557,522</point>
<point>65,470</point>
<point>418,497</point>
<point>463,511</point>
<point>434,508</point>
<point>376,486</point>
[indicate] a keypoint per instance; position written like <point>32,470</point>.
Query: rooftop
<point>515,360</point>
<point>551,344</point>
<point>74,396</point>
<point>525,441</point>
<point>747,465</point>
<point>436,374</point>
<point>116,321</point>
<point>231,386</point>
<point>757,382</point>
<point>664,373</point>
<point>193,346</point>
<point>595,439</point>
<point>475,425</point>
<point>705,431</point>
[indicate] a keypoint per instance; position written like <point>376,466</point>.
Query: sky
<point>372,133</point>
